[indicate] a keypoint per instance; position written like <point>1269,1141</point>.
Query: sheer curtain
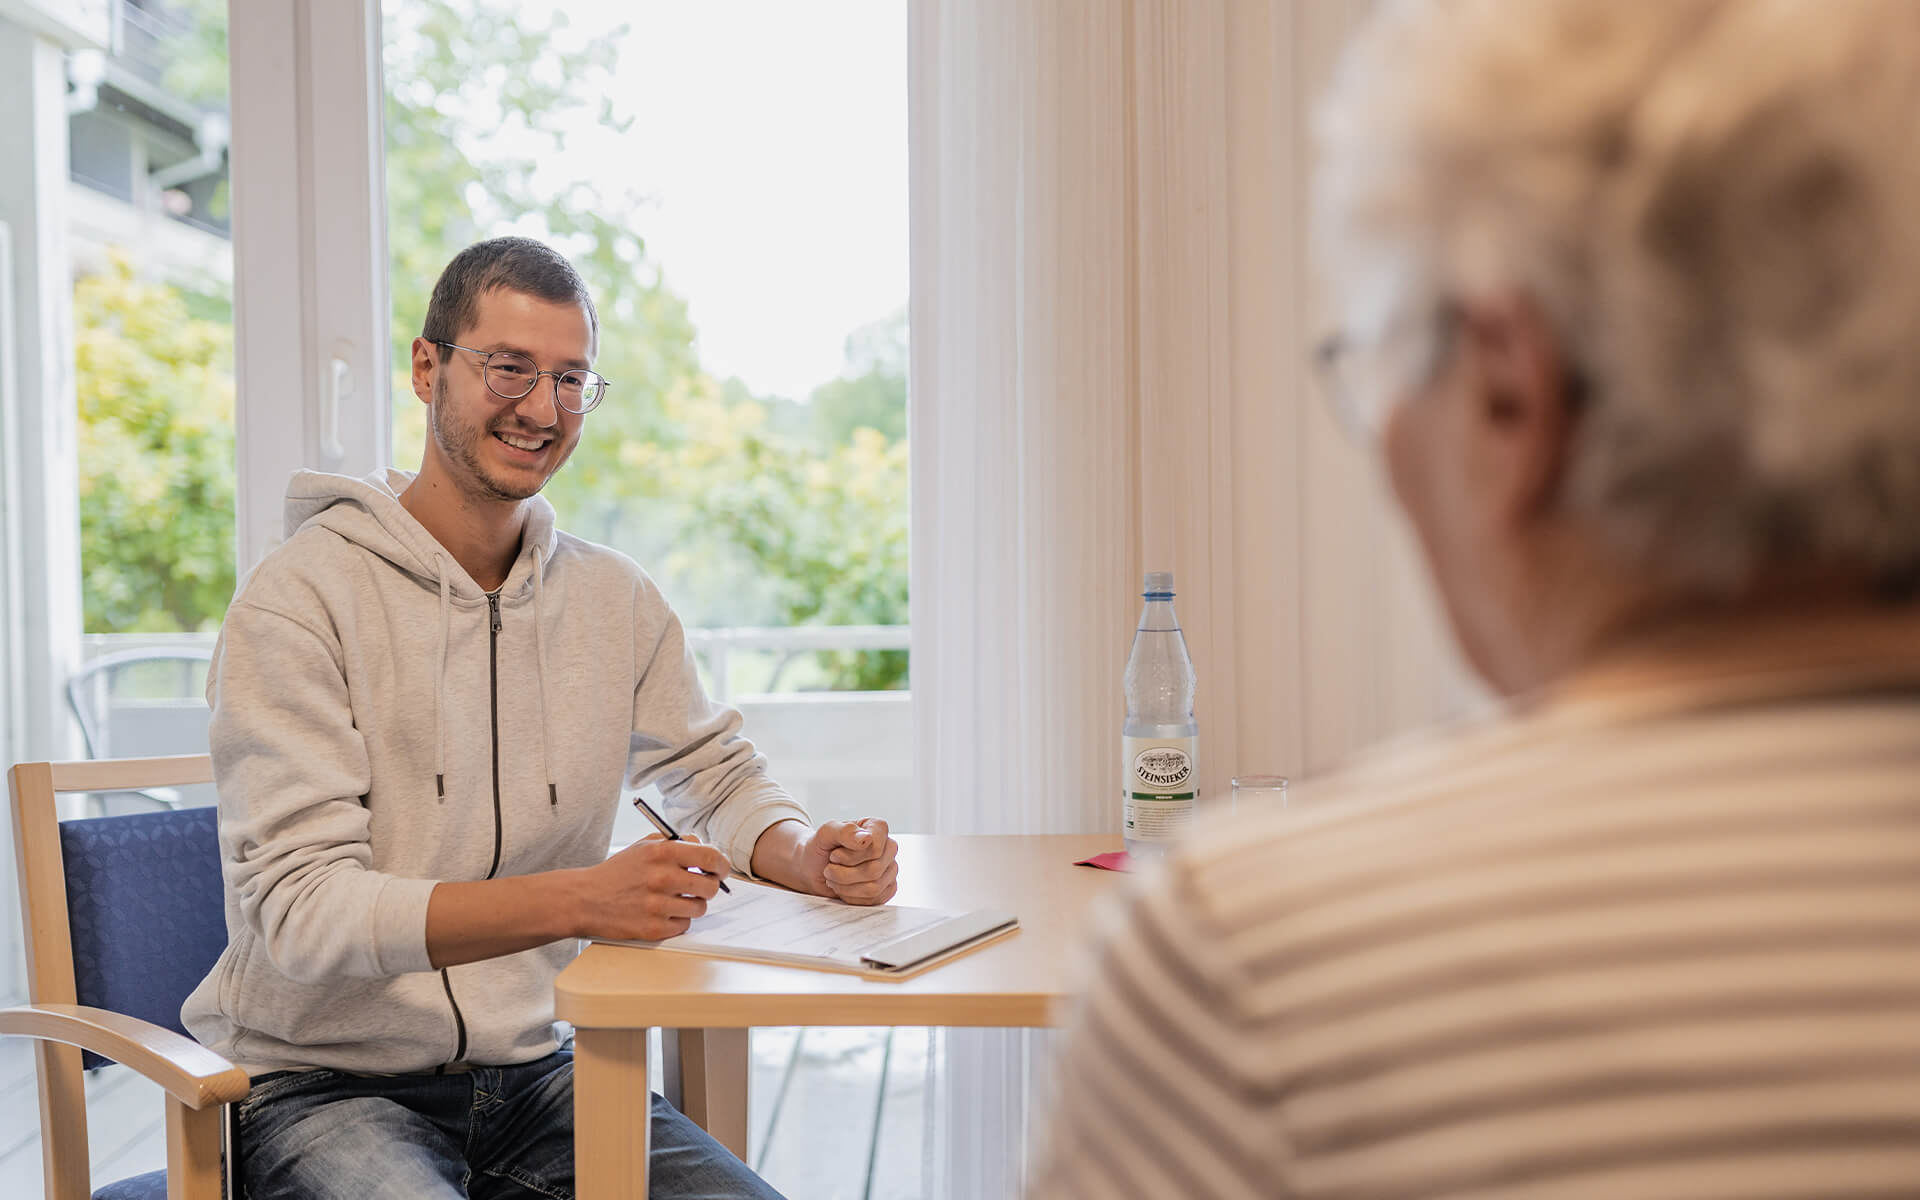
<point>1110,321</point>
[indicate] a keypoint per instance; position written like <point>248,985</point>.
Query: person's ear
<point>426,361</point>
<point>1526,408</point>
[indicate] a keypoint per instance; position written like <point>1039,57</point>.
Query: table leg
<point>612,1111</point>
<point>713,1071</point>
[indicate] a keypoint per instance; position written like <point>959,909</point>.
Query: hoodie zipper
<point>459,1024</point>
<point>493,704</point>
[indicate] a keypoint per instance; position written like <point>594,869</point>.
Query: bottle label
<point>1157,799</point>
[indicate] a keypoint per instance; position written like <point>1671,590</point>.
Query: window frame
<point>311,350</point>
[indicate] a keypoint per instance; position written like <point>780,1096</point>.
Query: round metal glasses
<point>511,375</point>
<point>1360,379</point>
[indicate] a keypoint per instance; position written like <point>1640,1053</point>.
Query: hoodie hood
<point>367,512</point>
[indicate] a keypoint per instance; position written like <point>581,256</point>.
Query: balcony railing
<point>143,34</point>
<point>714,647</point>
<point>844,754</point>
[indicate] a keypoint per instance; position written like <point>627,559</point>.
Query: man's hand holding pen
<point>651,890</point>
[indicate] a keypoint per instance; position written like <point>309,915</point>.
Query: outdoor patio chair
<point>124,915</point>
<point>118,721</point>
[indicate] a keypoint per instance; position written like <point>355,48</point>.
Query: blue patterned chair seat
<point>151,1186</point>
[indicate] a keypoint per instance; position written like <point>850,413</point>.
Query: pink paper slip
<point>1112,860</point>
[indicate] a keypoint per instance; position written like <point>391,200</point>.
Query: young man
<point>425,705</point>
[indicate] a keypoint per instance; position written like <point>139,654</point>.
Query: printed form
<point>773,920</point>
<point>771,924</point>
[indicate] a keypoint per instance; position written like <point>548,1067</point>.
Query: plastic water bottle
<point>1160,741</point>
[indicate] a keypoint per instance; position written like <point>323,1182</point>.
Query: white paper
<point>759,921</point>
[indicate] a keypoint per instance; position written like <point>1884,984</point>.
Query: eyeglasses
<point>511,375</point>
<point>1333,365</point>
<point>1360,379</point>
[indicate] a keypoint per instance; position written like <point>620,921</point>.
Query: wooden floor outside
<point>820,1099</point>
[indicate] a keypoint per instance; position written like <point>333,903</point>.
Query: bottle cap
<point>1160,582</point>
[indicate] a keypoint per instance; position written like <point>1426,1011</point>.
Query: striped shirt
<point>1666,948</point>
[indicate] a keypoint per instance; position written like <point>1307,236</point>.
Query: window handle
<point>333,398</point>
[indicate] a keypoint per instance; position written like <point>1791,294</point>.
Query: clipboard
<point>762,923</point>
<point>940,942</point>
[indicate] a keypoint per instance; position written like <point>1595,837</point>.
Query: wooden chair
<point>124,916</point>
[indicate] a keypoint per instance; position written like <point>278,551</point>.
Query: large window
<point>731,179</point>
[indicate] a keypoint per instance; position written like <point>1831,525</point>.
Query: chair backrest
<point>144,909</point>
<point>123,913</point>
<point>164,711</point>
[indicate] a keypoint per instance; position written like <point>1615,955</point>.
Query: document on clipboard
<point>886,941</point>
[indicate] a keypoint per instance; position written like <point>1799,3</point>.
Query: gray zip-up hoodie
<point>380,724</point>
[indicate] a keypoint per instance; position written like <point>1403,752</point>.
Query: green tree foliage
<point>196,69</point>
<point>871,392</point>
<point>478,102</point>
<point>156,457</point>
<point>826,530</point>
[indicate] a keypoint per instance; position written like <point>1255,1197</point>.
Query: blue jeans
<point>492,1131</point>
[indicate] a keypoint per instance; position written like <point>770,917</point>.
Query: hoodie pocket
<point>395,1024</point>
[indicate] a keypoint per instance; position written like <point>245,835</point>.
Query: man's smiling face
<point>498,449</point>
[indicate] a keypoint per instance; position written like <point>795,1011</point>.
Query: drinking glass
<point>1253,792</point>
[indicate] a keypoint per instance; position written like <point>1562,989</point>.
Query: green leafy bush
<point>155,387</point>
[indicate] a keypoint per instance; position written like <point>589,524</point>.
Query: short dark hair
<point>518,264</point>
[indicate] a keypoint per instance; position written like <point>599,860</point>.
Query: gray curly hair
<point>1716,203</point>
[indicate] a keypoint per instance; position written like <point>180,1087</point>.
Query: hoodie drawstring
<point>440,682</point>
<point>540,674</point>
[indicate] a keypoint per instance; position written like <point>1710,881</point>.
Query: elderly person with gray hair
<point>1630,296</point>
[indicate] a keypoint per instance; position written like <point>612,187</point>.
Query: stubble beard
<point>460,443</point>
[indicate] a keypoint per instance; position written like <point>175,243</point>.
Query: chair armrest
<point>191,1073</point>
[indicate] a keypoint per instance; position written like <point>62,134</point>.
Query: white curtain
<point>1110,327</point>
<point>1022,417</point>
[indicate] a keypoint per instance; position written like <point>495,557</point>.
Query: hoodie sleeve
<point>291,769</point>
<point>714,782</point>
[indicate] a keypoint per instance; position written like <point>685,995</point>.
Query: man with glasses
<point>426,704</point>
<point>1631,294</point>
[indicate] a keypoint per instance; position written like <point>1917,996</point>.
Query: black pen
<point>668,831</point>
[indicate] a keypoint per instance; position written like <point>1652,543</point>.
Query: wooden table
<point>614,994</point>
